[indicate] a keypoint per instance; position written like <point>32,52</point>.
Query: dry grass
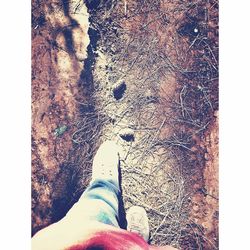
<point>143,43</point>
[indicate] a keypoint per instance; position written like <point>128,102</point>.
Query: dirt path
<point>150,60</point>
<point>149,81</point>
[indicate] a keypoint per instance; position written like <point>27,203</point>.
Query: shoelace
<point>136,229</point>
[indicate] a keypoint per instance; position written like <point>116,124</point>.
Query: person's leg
<point>96,210</point>
<point>100,200</point>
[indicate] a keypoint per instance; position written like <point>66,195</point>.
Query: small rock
<point>206,156</point>
<point>196,207</point>
<point>196,30</point>
<point>127,134</point>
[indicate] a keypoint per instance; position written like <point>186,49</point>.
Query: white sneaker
<point>137,221</point>
<point>106,162</point>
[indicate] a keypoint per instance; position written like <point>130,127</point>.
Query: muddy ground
<point>143,73</point>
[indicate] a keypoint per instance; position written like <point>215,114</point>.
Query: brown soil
<point>166,53</point>
<point>56,71</point>
<point>204,205</point>
<point>205,202</point>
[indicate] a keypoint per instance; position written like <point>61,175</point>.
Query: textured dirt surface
<point>209,190</point>
<point>164,54</point>
<point>205,200</point>
<point>58,49</point>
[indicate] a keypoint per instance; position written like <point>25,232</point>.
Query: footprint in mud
<point>127,134</point>
<point>119,90</point>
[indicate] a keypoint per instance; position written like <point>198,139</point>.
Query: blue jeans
<point>99,202</point>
